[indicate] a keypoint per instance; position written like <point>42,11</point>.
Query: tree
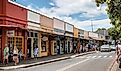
<point>114,14</point>
<point>99,29</point>
<point>113,10</point>
<point>113,32</point>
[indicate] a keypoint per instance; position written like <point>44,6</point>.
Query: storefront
<point>86,37</point>
<point>69,34</point>
<point>47,38</point>
<point>76,39</point>
<point>13,26</point>
<point>59,36</point>
<point>81,39</point>
<point>101,39</point>
<point>33,34</point>
<point>93,37</point>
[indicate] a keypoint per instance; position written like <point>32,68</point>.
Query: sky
<point>80,13</point>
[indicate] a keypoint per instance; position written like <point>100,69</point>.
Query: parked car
<point>105,48</point>
<point>113,47</point>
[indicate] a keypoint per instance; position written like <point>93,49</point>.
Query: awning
<point>13,26</point>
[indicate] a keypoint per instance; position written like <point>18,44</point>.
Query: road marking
<point>70,66</point>
<point>88,56</point>
<point>110,56</point>
<point>99,56</point>
<point>73,56</point>
<point>105,56</point>
<point>93,56</point>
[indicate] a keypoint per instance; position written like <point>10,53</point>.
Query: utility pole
<point>92,24</point>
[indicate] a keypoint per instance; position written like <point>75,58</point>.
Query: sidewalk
<point>118,70</point>
<point>42,60</point>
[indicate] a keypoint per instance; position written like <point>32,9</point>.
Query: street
<point>91,62</point>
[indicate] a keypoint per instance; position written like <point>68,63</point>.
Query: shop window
<point>36,34</point>
<point>55,47</point>
<point>35,44</point>
<point>28,34</point>
<point>18,41</point>
<point>43,44</point>
<point>31,34</point>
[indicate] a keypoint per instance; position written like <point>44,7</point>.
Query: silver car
<point>113,47</point>
<point>105,48</point>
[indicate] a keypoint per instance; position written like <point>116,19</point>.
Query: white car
<point>105,48</point>
<point>113,47</point>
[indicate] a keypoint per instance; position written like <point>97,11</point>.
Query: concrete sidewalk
<point>114,66</point>
<point>44,60</point>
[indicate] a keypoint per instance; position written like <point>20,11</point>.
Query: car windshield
<point>105,46</point>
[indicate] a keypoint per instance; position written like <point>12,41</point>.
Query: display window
<point>55,47</point>
<point>16,41</point>
<point>43,44</point>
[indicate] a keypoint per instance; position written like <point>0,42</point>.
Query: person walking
<point>15,55</point>
<point>36,51</point>
<point>118,53</point>
<point>6,54</point>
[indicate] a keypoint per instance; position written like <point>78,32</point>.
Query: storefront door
<point>68,47</point>
<point>31,44</point>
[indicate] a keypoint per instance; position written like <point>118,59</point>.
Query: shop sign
<point>33,17</point>
<point>45,38</point>
<point>91,34</point>
<point>69,27</point>
<point>58,24</point>
<point>58,30</point>
<point>10,33</point>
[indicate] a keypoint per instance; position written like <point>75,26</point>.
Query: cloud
<point>52,4</point>
<point>68,7</point>
<point>87,8</point>
<point>104,23</point>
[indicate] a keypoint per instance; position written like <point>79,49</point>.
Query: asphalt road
<point>92,62</point>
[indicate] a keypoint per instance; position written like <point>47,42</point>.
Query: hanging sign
<point>10,33</point>
<point>44,38</point>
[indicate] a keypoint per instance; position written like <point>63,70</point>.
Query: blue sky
<point>77,12</point>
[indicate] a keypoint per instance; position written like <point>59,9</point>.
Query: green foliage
<point>100,29</point>
<point>114,14</point>
<point>113,10</point>
<point>114,32</point>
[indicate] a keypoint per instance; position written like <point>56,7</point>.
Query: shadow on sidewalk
<point>34,60</point>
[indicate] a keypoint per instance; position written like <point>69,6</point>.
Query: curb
<point>77,55</point>
<point>113,66</point>
<point>44,62</point>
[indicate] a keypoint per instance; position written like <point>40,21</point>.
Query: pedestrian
<point>36,51</point>
<point>6,54</point>
<point>21,55</point>
<point>15,55</point>
<point>118,57</point>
